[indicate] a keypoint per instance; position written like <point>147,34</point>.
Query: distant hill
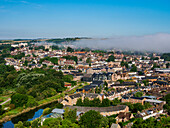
<point>60,40</point>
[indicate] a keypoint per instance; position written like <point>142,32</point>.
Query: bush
<point>12,106</point>
<point>138,94</point>
<point>27,123</point>
<point>19,125</point>
<point>59,105</point>
<point>35,124</point>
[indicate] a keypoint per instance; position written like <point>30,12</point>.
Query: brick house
<point>72,99</point>
<point>134,100</point>
<point>124,116</point>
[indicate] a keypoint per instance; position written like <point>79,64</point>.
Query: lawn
<point>49,99</point>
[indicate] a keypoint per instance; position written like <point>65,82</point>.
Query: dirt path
<point>5,101</point>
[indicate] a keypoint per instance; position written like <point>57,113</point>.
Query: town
<point>119,88</point>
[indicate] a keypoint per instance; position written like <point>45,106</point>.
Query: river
<point>29,116</point>
<point>26,117</point>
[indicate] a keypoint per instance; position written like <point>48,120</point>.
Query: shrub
<point>35,124</point>
<point>12,106</point>
<point>27,123</point>
<point>47,111</point>
<point>59,105</point>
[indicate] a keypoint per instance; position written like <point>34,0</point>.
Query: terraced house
<point>72,99</point>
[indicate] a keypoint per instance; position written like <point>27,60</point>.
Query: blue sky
<point>89,18</point>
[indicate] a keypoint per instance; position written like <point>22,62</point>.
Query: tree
<point>111,58</point>
<point>31,102</point>
<point>96,102</point>
<point>116,101</point>
<point>146,82</point>
<point>10,78</point>
<point>152,123</point>
<point>54,60</point>
<point>25,63</point>
<point>79,102</point>
<point>88,60</point>
<point>30,79</point>
<point>52,122</point>
<point>69,49</point>
<point>39,47</point>
<point>138,94</point>
<point>138,123</point>
<point>71,58</point>
<point>166,56</point>
<point>68,78</point>
<point>167,99</point>
<point>134,68</point>
<point>105,122</point>
<point>59,67</point>
<point>86,101</point>
<point>55,47</point>
<point>1,90</point>
<point>155,66</point>
<point>147,105</point>
<point>167,105</point>
<point>19,125</point>
<point>19,99</point>
<point>106,88</point>
<point>21,90</point>
<point>66,123</point>
<point>27,123</point>
<point>1,109</point>
<point>130,105</point>
<point>35,124</point>
<point>140,73</point>
<point>59,105</point>
<point>98,90</point>
<point>91,119</point>
<point>137,107</point>
<point>105,83</point>
<point>70,114</point>
<point>111,120</point>
<point>124,64</point>
<point>2,82</point>
<point>19,56</point>
<point>105,102</point>
<point>121,81</point>
<point>52,84</point>
<point>70,67</point>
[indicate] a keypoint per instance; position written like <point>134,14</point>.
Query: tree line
<point>96,102</point>
<point>90,119</point>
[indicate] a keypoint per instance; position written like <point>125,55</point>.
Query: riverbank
<point>19,111</point>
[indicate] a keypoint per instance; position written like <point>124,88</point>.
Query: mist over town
<point>84,64</point>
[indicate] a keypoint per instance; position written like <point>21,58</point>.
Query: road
<point>5,101</point>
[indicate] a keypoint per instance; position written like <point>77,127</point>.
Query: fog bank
<point>157,43</point>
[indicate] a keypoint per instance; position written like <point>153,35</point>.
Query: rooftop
<point>100,109</point>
